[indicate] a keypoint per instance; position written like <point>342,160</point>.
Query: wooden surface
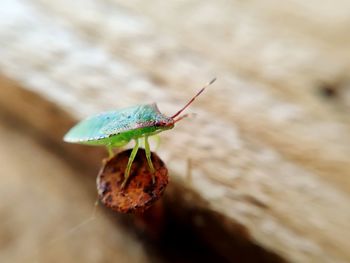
<point>269,148</point>
<point>46,210</point>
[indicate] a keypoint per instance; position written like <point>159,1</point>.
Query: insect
<point>117,128</point>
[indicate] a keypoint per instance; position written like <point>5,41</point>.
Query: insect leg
<point>189,171</point>
<point>110,151</point>
<point>148,156</point>
<point>131,159</point>
<point>157,139</point>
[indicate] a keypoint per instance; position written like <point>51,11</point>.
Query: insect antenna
<point>181,117</point>
<point>184,116</point>
<point>191,100</point>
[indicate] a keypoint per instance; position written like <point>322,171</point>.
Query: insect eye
<point>159,124</point>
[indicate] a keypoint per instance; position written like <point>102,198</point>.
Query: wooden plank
<point>47,213</point>
<point>269,152</point>
<point>280,89</point>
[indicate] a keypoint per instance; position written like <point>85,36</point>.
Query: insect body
<point>119,127</point>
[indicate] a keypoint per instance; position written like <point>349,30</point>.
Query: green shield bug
<point>117,128</point>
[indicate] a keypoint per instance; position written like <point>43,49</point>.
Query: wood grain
<point>269,150</point>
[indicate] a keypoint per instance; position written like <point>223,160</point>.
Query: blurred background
<point>261,174</point>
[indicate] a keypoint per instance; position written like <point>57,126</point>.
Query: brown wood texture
<point>270,145</point>
<point>47,210</point>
